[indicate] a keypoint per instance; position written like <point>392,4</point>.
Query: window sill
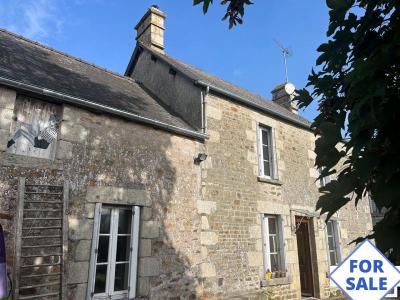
<point>269,180</point>
<point>276,281</point>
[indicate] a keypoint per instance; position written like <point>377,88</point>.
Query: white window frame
<point>133,259</point>
<point>271,152</point>
<point>324,180</point>
<point>337,250</point>
<point>266,244</point>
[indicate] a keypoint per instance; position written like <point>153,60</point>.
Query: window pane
<point>265,153</point>
<point>327,179</point>
<point>329,226</point>
<point>124,222</point>
<point>267,170</point>
<point>265,139</point>
<point>273,247</point>
<point>275,264</point>
<point>105,220</point>
<point>332,257</point>
<point>121,277</point>
<point>100,280</point>
<point>272,225</point>
<point>102,251</point>
<point>123,248</point>
<point>331,243</point>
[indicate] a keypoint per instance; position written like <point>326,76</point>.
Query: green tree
<point>356,83</point>
<point>357,86</point>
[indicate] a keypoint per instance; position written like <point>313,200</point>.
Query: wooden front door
<point>304,253</point>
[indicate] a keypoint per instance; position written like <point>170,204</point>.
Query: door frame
<point>309,222</point>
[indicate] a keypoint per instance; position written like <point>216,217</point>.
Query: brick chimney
<point>283,95</point>
<point>150,29</point>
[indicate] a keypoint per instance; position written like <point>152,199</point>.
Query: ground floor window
<point>274,259</point>
<point>333,242</point>
<point>113,265</point>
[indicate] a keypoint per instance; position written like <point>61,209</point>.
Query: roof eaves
<point>99,107</point>
<point>250,103</point>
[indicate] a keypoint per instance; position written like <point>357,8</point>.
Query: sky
<point>102,32</point>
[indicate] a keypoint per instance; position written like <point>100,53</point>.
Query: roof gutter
<point>248,102</point>
<point>108,109</point>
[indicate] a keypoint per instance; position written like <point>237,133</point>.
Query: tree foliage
<point>234,12</point>
<point>357,86</point>
<point>356,83</point>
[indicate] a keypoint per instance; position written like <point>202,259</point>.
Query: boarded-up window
<point>35,128</point>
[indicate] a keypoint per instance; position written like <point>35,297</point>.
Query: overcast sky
<point>102,32</point>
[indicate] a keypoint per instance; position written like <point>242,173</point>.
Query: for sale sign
<point>366,274</point>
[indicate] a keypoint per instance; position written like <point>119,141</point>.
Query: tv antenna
<point>286,52</point>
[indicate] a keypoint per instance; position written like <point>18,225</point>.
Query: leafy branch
<point>234,12</point>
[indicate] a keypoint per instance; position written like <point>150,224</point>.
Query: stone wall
<point>107,159</point>
<point>237,198</point>
<point>176,91</point>
<point>200,229</point>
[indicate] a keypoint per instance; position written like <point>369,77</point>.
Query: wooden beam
<point>5,216</point>
<point>20,216</point>
<point>64,241</point>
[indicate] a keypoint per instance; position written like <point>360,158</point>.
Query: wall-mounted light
<point>200,157</point>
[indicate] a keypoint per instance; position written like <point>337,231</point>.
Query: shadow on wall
<point>118,153</point>
<point>106,151</point>
<point>122,154</point>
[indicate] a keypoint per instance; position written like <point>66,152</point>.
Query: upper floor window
<point>333,242</point>
<point>324,180</point>
<point>373,207</point>
<point>35,128</point>
<point>266,153</point>
<point>113,266</point>
<point>375,211</point>
<point>273,244</point>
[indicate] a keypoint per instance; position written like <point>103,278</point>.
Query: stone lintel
<point>118,195</point>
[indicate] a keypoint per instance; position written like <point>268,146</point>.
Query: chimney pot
<point>150,29</point>
<point>283,95</point>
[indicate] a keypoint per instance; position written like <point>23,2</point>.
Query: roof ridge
<point>66,55</point>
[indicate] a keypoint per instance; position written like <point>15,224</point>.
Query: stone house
<point>164,183</point>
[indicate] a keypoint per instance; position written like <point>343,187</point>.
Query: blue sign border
<point>365,241</point>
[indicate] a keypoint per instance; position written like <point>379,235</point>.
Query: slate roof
<point>196,74</point>
<point>31,63</point>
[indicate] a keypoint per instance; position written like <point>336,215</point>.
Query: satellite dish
<point>290,88</point>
